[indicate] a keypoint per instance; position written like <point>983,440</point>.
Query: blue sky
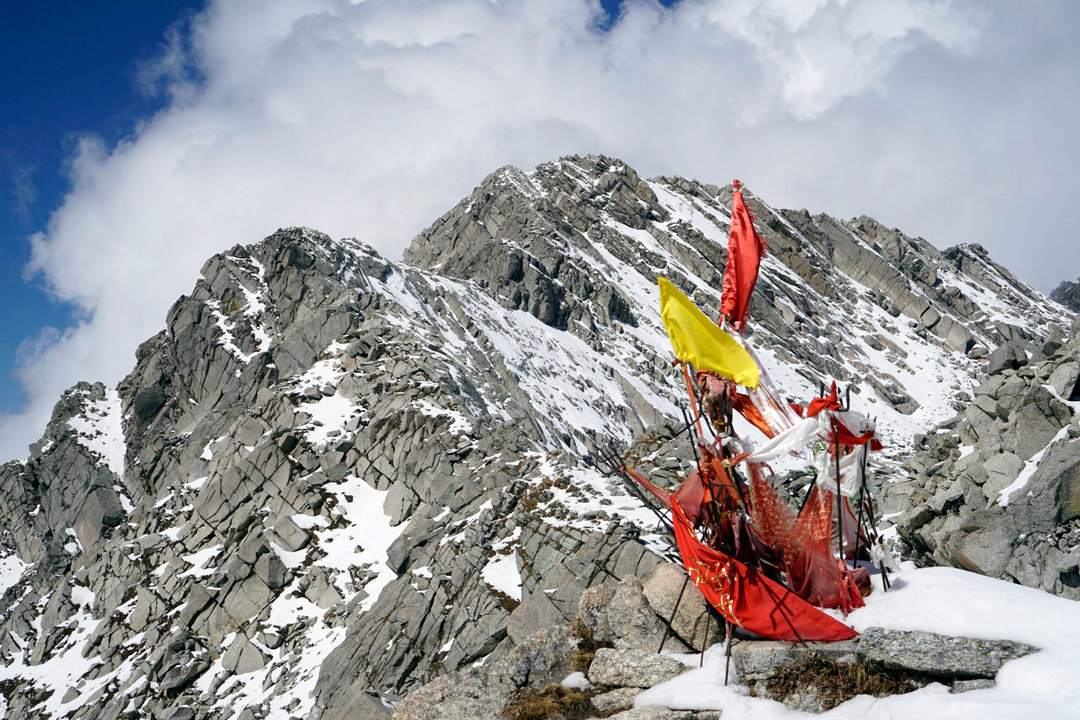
<point>70,69</point>
<point>137,139</point>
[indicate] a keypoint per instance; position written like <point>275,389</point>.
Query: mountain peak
<point>332,477</point>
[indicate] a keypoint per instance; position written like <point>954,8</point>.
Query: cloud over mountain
<point>371,119</point>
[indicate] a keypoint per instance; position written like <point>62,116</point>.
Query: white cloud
<point>814,53</point>
<point>372,119</point>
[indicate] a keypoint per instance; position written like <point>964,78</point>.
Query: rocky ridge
<point>1068,294</point>
<point>994,490</point>
<point>332,478</point>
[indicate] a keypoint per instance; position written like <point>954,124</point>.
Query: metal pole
<point>839,495</point>
<point>673,611</point>
<point>727,651</point>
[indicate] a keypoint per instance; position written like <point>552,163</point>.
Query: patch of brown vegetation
<point>587,646</point>
<point>835,683</point>
<point>554,701</point>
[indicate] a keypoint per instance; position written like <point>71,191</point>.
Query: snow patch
<point>99,429</point>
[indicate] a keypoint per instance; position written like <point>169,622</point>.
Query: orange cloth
<point>745,407</point>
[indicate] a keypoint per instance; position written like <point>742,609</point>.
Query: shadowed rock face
<point>333,477</point>
<point>1068,294</point>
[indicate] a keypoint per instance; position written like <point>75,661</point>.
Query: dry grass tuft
<point>836,683</point>
<point>587,646</point>
<point>554,701</point>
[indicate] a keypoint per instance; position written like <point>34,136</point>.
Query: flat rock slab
<point>653,713</point>
<point>762,659</point>
<point>961,686</point>
<point>633,668</point>
<point>952,657</point>
<point>622,697</point>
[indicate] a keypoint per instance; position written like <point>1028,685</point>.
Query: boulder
<point>545,657</point>
<point>592,611</point>
<point>1052,495</point>
<point>940,655</point>
<point>271,570</point>
<point>633,668</point>
<point>1007,356</point>
<point>290,535</point>
<point>399,503</point>
<point>243,657</point>
<point>177,712</point>
<point>677,599</point>
<point>1055,338</point>
<point>1064,379</point>
<point>101,509</point>
<point>984,543</point>
<point>634,622</point>
<point>1001,469</point>
<point>535,613</point>
<point>614,699</point>
<point>464,695</point>
<point>1038,420</point>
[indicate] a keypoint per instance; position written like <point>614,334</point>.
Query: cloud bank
<point>371,119</point>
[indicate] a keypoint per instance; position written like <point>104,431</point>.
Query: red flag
<point>846,437</point>
<point>748,598</point>
<point>829,402</point>
<point>745,250</point>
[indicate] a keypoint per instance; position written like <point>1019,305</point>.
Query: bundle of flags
<point>761,565</point>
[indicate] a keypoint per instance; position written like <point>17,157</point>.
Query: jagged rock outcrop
<point>283,405</point>
<point>547,242</point>
<point>332,479</point>
<point>996,490</point>
<point>66,497</point>
<point>1068,294</point>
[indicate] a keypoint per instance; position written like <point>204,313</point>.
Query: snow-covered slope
<point>942,600</point>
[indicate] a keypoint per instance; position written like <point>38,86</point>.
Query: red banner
<point>745,250</point>
<point>747,598</point>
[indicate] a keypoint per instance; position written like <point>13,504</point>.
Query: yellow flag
<point>698,341</point>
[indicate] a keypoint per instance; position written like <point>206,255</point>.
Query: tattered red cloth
<point>774,520</point>
<point>829,402</point>
<point>813,573</point>
<point>820,578</point>
<point>749,599</point>
<point>845,436</point>
<point>816,517</point>
<point>745,250</point>
<point>696,493</point>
